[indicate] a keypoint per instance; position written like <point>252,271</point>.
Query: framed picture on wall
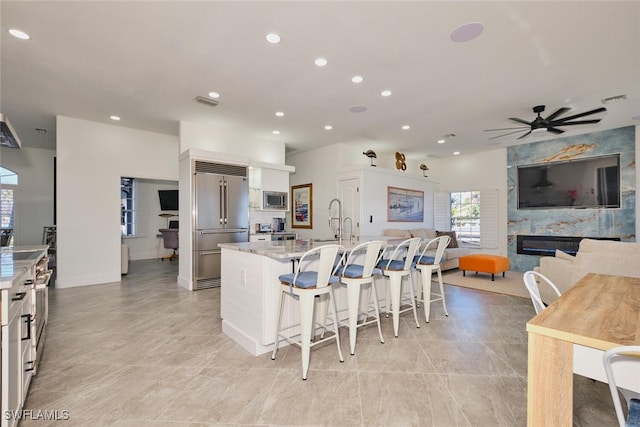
<point>302,206</point>
<point>404,205</point>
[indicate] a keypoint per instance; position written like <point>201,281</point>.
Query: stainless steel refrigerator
<point>221,209</point>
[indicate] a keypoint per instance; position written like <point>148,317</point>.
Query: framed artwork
<point>302,206</point>
<point>404,205</point>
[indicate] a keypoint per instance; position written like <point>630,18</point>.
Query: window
<point>465,216</point>
<point>127,206</point>
<point>473,215</point>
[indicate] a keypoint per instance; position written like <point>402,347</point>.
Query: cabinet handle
<point>30,362</point>
<point>19,296</point>
<point>27,319</point>
<point>28,282</point>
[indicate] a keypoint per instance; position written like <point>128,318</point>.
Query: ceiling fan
<point>548,124</point>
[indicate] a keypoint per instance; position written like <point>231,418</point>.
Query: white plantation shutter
<point>489,216</point>
<point>442,211</point>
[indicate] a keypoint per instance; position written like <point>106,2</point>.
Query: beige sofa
<point>593,256</point>
<point>451,255</point>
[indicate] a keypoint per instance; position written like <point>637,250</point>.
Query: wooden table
<point>598,313</point>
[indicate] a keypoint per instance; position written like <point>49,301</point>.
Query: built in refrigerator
<point>221,215</point>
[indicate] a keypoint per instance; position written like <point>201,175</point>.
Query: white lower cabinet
<point>16,351</point>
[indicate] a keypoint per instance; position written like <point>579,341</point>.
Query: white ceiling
<point>146,62</point>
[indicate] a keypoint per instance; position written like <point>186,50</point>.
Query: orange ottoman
<point>493,264</point>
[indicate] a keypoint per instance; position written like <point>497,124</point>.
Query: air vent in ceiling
<point>207,101</point>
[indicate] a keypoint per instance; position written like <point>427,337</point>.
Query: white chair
<point>426,263</point>
<point>304,286</point>
<point>355,276</point>
<point>531,282</point>
<point>629,355</point>
<point>395,269</point>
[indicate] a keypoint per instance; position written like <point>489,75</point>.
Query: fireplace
<point>547,245</point>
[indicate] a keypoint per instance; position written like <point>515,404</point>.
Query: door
<point>349,194</point>
<point>236,207</point>
<point>208,195</point>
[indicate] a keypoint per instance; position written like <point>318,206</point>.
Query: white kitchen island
<point>250,288</point>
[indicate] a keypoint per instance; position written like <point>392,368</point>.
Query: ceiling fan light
<point>538,131</point>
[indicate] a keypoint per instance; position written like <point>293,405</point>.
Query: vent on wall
<point>207,101</point>
<point>220,169</point>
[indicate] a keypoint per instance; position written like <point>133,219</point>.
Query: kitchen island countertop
<point>289,249</point>
<point>15,260</point>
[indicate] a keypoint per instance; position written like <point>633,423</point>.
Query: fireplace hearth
<point>547,245</point>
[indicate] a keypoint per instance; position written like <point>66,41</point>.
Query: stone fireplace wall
<point>571,221</point>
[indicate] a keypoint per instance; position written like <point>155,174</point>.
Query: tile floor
<point>143,352</point>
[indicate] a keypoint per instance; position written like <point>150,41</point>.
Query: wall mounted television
<point>591,182</point>
<point>168,200</point>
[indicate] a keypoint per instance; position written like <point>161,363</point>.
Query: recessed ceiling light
<point>273,38</point>
<point>214,94</point>
<point>279,114</point>
<point>385,93</point>
<point>406,127</point>
<point>441,141</point>
<point>467,32</point>
<point>116,118</point>
<point>328,127</point>
<point>19,34</point>
<point>358,109</point>
<point>276,132</point>
<point>320,62</point>
<point>357,79</point>
<point>456,153</point>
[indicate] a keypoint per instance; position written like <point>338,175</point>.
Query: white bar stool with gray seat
<point>304,286</point>
<point>395,269</point>
<point>628,357</point>
<point>426,263</point>
<point>355,276</point>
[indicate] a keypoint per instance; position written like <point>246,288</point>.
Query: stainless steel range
<point>40,298</point>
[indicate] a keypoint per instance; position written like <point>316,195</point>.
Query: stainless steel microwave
<point>275,200</point>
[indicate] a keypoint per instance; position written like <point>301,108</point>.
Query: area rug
<point>511,284</point>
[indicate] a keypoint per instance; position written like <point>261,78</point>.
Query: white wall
<point>146,244</point>
<point>33,196</point>
<point>322,167</point>
<point>92,157</point>
<point>479,171</point>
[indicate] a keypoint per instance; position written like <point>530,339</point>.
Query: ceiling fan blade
<point>576,116</point>
<point>519,127</point>
<point>505,134</point>
<point>515,119</point>
<point>525,135</point>
<point>558,112</point>
<point>581,122</point>
<point>554,130</point>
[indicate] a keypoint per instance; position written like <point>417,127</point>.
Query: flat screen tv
<point>592,182</point>
<point>168,200</point>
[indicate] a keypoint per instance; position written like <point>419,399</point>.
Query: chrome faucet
<point>339,218</point>
<point>350,227</point>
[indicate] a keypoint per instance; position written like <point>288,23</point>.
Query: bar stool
<point>426,263</point>
<point>355,276</point>
<point>396,268</point>
<point>304,286</point>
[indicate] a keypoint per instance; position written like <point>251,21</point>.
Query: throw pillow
<point>564,255</point>
<point>454,242</point>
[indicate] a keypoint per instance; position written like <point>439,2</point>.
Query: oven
<point>40,311</point>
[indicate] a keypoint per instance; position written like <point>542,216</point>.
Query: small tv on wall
<point>168,200</point>
<point>592,182</point>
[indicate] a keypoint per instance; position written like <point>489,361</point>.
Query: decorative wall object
<point>400,161</point>
<point>371,155</point>
<point>424,169</point>
<point>572,221</point>
<point>404,205</point>
<point>302,206</point>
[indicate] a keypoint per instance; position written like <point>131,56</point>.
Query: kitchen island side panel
<point>249,296</point>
